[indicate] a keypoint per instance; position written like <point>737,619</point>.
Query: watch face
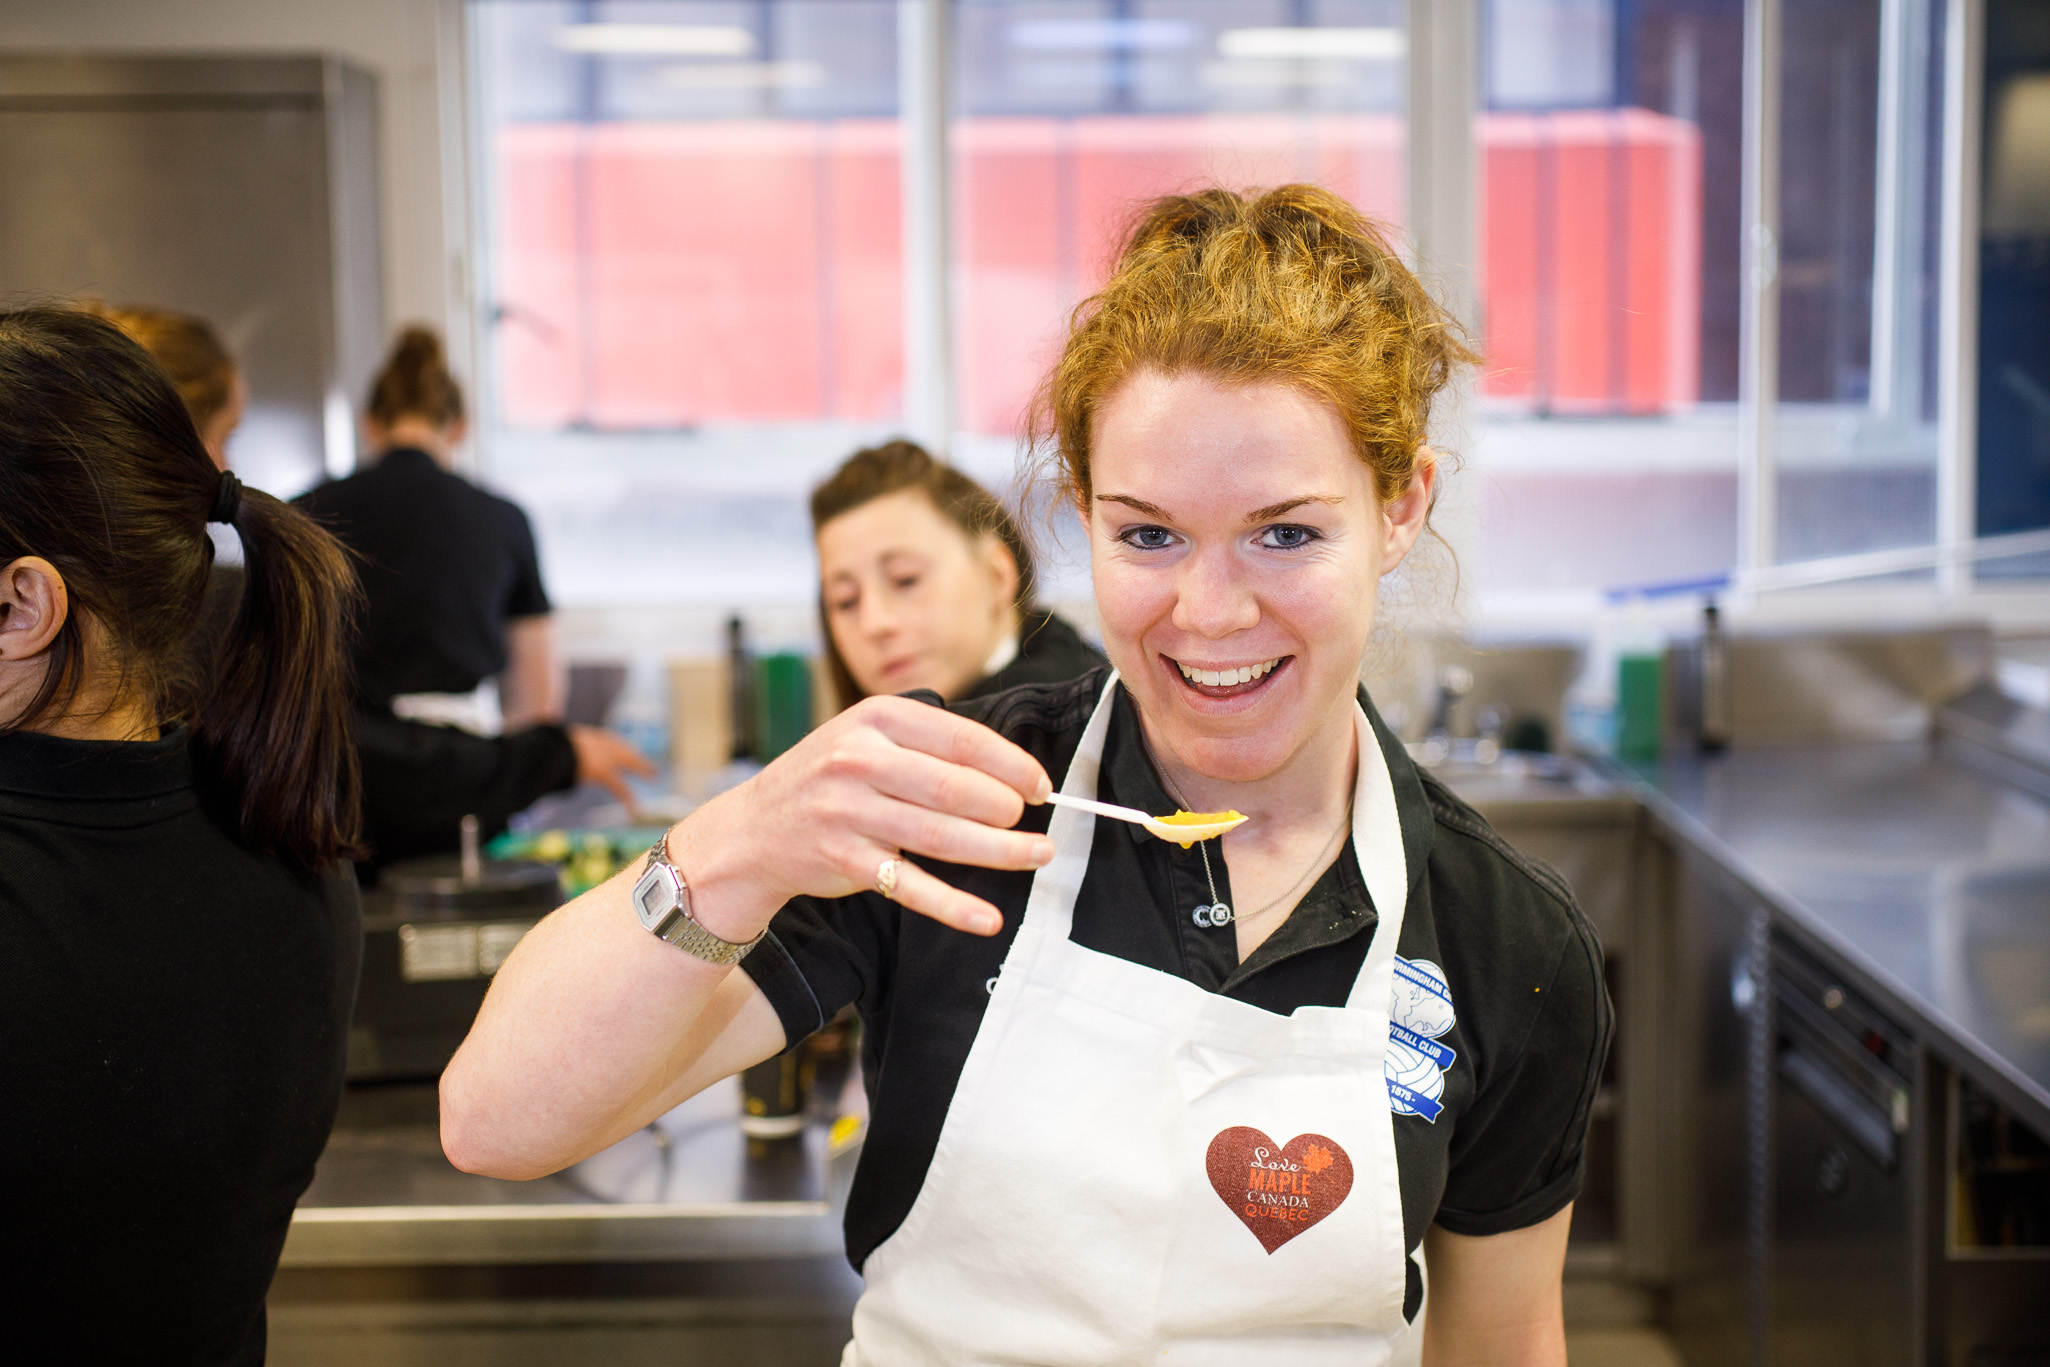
<point>654,896</point>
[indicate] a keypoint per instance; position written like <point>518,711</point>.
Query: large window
<point>1069,115</point>
<point>693,258</point>
<point>1073,113</point>
<point>1710,251</point>
<point>1602,452</point>
<point>1861,124</point>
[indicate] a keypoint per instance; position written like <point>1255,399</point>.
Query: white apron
<point>1134,1169</point>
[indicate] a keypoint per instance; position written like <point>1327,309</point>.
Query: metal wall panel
<point>239,189</point>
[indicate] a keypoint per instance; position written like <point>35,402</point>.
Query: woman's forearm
<point>593,1027</point>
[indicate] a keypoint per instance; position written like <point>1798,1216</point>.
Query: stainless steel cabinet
<point>1710,1149</point>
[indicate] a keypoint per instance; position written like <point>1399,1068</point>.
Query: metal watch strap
<point>681,929</point>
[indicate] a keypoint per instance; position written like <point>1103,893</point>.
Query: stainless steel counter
<point>690,1187</point>
<point>1928,880</point>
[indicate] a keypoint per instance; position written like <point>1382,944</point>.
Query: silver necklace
<point>1215,913</point>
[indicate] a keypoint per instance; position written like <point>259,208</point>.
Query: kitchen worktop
<point>1927,880</point>
<point>689,1187</point>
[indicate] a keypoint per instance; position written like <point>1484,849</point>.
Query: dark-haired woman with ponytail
<point>459,691</point>
<point>179,938</point>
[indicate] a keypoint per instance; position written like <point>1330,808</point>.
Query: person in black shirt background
<point>453,599</point>
<point>178,943</point>
<point>925,581</point>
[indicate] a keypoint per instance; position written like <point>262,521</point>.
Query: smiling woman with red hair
<point>1223,1102</point>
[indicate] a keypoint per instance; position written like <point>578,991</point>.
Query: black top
<point>444,565</point>
<point>174,1011</point>
<point>1049,651</point>
<point>420,781</point>
<point>1523,967</point>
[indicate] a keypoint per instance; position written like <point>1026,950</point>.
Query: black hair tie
<point>227,499</point>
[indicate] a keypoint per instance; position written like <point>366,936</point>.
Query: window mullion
<point>1958,336</point>
<point>1758,348</point>
<point>924,41</point>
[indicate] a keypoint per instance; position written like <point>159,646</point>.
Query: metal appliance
<point>241,189</point>
<point>435,930</point>
<point>1845,1213</point>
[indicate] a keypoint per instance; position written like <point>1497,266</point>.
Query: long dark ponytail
<point>102,474</point>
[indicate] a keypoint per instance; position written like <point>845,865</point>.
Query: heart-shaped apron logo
<point>1278,1190</point>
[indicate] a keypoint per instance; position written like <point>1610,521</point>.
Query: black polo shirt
<point>1523,968</point>
<point>174,1012</point>
<point>444,566</point>
<point>1050,650</point>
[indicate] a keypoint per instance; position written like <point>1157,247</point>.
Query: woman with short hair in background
<point>453,599</point>
<point>179,940</point>
<point>198,362</point>
<point>208,380</point>
<point>925,581</point>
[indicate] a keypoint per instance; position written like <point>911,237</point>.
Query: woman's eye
<point>843,605</point>
<point>1287,537</point>
<point>1147,538</point>
<point>905,583</point>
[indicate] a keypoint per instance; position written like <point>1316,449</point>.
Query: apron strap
<point>1051,905</point>
<point>1377,844</point>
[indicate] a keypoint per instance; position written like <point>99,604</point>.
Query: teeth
<point>1225,678</point>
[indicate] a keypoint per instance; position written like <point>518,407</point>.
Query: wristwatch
<point>662,901</point>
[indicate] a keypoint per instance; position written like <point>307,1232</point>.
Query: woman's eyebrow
<point>1137,505</point>
<point>1290,505</point>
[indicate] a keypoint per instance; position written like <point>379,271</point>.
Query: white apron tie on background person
<point>1134,1169</point>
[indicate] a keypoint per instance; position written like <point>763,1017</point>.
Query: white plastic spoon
<point>1184,828</point>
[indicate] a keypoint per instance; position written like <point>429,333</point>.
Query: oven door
<point>1841,1277</point>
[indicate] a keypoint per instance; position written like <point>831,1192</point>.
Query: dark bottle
<point>1714,660</point>
<point>741,684</point>
<point>773,1094</point>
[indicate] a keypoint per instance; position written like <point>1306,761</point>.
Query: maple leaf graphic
<point>1316,1159</point>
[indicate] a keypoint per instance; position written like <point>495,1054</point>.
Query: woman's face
<point>1237,543</point>
<point>911,600</point>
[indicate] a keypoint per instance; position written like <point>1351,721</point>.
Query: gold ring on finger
<point>886,878</point>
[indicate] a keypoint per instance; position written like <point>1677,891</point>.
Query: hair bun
<point>415,381</point>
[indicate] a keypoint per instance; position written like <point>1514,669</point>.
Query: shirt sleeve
<point>528,598</point>
<point>1499,1179</point>
<point>821,954</point>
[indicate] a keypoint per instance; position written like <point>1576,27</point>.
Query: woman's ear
<point>1003,569</point>
<point>33,607</point>
<point>1404,517</point>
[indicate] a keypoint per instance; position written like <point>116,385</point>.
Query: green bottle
<point>1640,703</point>
<point>782,703</point>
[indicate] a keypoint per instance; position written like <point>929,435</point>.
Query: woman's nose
<point>1212,599</point>
<point>873,618</point>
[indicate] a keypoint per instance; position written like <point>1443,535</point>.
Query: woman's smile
<point>1219,682</point>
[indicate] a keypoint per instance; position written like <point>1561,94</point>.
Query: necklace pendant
<point>1212,916</point>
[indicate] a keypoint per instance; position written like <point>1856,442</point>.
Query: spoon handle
<point>1131,814</point>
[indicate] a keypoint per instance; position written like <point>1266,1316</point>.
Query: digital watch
<point>662,901</point>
